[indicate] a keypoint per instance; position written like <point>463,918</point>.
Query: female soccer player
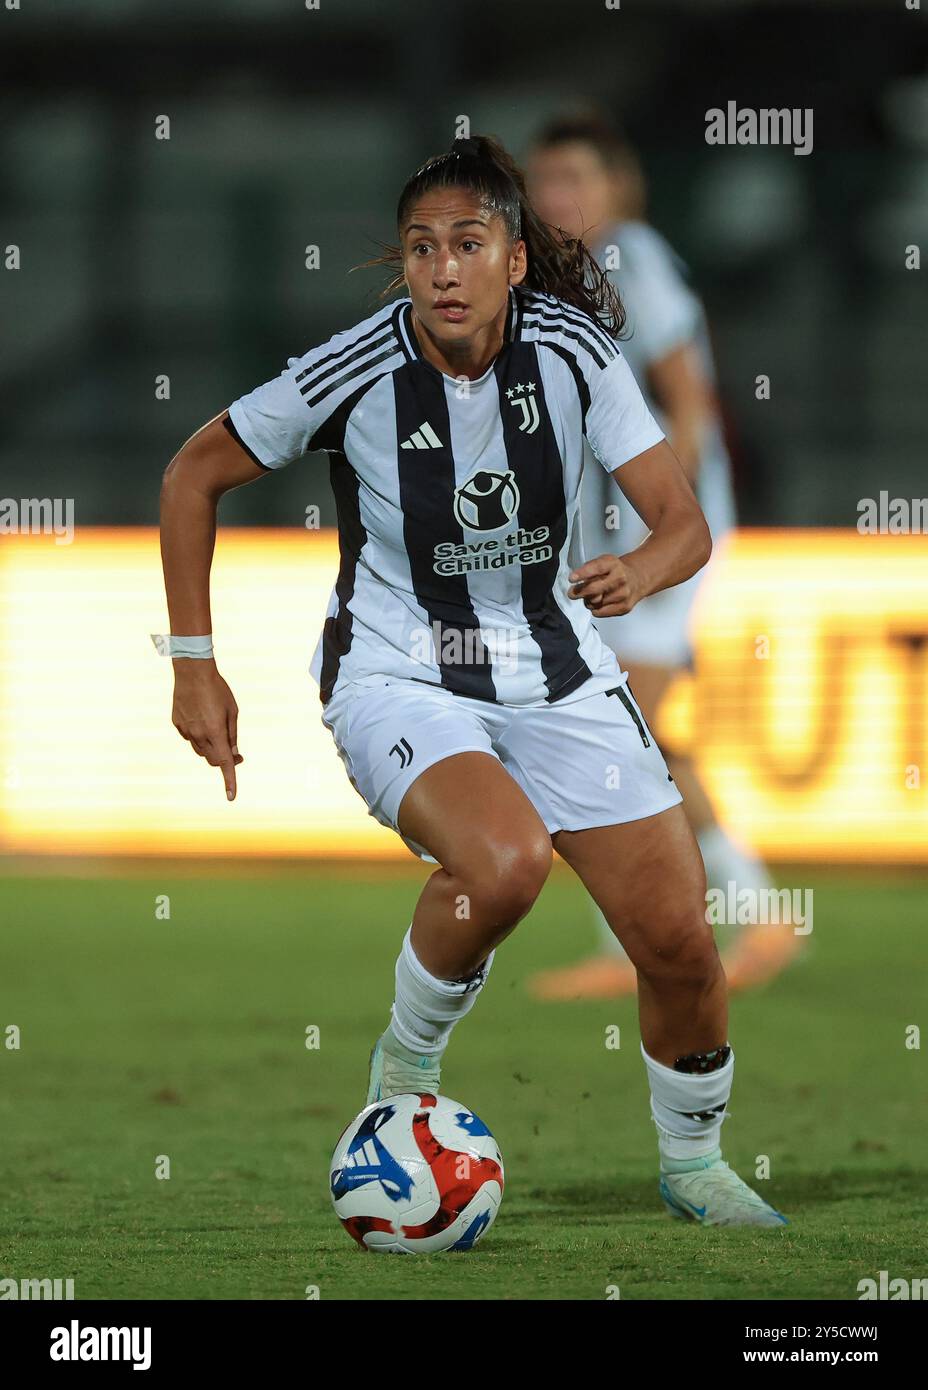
<point>476,709</point>
<point>582,175</point>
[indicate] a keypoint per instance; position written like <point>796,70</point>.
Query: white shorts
<point>588,763</point>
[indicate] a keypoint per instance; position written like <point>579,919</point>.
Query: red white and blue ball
<point>416,1174</point>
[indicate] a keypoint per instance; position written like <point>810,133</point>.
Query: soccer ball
<point>416,1174</point>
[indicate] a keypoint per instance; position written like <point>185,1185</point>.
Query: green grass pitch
<point>186,1038</point>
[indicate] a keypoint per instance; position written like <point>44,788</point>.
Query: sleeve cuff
<point>645,439</point>
<point>235,432</point>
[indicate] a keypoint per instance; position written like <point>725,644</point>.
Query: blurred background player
<point>584,177</point>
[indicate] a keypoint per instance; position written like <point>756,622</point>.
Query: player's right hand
<point>206,715</point>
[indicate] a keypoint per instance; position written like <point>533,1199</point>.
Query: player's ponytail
<point>557,263</point>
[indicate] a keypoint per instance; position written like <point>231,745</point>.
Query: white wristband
<point>168,645</point>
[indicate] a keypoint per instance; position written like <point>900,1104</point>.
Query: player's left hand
<point>608,586</point>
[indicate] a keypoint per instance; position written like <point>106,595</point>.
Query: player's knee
<point>685,955</point>
<point>513,873</point>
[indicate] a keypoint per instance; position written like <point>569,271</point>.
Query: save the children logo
<point>487,500</point>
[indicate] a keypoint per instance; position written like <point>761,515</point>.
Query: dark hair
<point>594,126</point>
<point>558,264</point>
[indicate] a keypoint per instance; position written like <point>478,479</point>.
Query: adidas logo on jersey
<point>423,438</point>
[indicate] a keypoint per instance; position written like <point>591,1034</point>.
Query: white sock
<point>677,1098</point>
<point>726,862</point>
<point>426,1009</point>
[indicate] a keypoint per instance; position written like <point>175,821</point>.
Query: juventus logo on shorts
<point>528,404</point>
<point>487,500</point>
<point>403,751</point>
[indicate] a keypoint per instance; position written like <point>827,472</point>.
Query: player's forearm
<point>188,537</point>
<point>679,545</point>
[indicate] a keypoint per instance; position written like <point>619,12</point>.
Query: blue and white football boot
<point>395,1071</point>
<point>707,1191</point>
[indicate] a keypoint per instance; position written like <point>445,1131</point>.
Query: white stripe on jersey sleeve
<point>277,421</point>
<point>619,425</point>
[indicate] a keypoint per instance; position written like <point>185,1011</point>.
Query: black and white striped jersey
<point>457,500</point>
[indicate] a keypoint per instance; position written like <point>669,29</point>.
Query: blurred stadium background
<point>292,127</point>
<point>160,279</point>
<point>145,259</point>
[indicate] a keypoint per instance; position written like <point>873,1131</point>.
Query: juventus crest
<point>523,397</point>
